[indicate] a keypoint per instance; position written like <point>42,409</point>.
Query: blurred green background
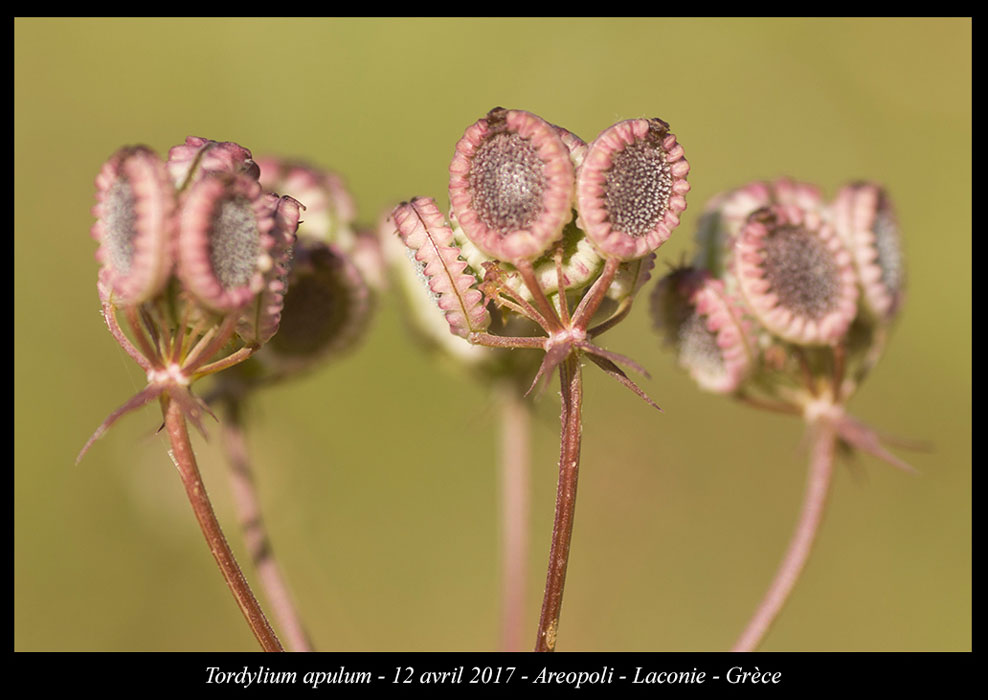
<point>377,472</point>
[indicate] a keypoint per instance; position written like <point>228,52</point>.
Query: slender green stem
<point>230,360</point>
<point>562,529</point>
<point>618,316</point>
<point>185,461</point>
<point>255,532</point>
<point>514,512</point>
<point>204,350</point>
<point>824,440</point>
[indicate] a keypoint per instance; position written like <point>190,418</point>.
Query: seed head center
<point>507,182</point>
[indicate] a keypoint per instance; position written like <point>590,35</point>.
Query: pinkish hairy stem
<point>824,437</point>
<point>142,340</point>
<point>255,532</point>
<point>185,461</point>
<point>591,300</point>
<point>110,317</point>
<point>225,363</point>
<point>209,345</point>
<point>497,341</point>
<point>619,314</point>
<point>552,323</point>
<point>561,287</point>
<point>562,531</point>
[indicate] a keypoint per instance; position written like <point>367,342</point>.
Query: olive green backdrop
<point>377,472</point>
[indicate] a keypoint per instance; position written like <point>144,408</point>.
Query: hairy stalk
<point>514,512</point>
<point>562,530</point>
<point>561,287</point>
<point>255,532</point>
<point>204,350</point>
<point>824,439</point>
<point>623,309</point>
<point>548,312</point>
<point>497,341</point>
<point>520,306</point>
<point>189,334</point>
<point>139,336</point>
<point>591,300</point>
<point>110,318</point>
<point>230,360</point>
<point>185,461</point>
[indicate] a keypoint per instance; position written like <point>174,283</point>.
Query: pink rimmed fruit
<point>423,228</point>
<point>511,184</point>
<point>796,275</point>
<point>330,211</point>
<point>631,188</point>
<point>225,240</point>
<point>261,317</point>
<point>707,327</point>
<point>189,161</point>
<point>782,269</point>
<point>864,217</point>
<point>326,310</point>
<point>520,268</point>
<point>135,223</point>
<point>726,214</point>
<point>195,259</point>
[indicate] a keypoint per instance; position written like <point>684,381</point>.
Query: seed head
<point>135,222</point>
<point>727,213</point>
<point>326,310</point>
<point>511,184</point>
<point>225,240</point>
<point>631,188</point>
<point>262,316</point>
<point>706,326</point>
<point>423,229</point>
<point>865,219</point>
<point>329,207</point>
<point>796,275</point>
<point>197,156</point>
